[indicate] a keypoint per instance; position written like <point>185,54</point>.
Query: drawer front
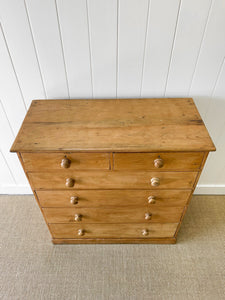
<point>113,179</point>
<point>62,161</point>
<point>113,230</point>
<point>113,215</point>
<point>99,198</point>
<point>158,161</point>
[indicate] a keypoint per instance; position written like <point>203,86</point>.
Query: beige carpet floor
<point>32,268</point>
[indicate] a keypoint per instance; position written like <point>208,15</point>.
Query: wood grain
<point>116,139</point>
<point>52,161</point>
<point>95,113</point>
<point>113,230</point>
<point>171,161</point>
<point>114,179</point>
<point>195,183</point>
<point>89,125</point>
<point>117,198</point>
<point>113,215</point>
<point>116,241</point>
<point>108,196</point>
<point>35,195</point>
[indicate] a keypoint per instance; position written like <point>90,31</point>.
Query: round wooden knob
<point>145,232</point>
<point>155,181</point>
<point>148,216</point>
<point>74,200</point>
<point>158,163</point>
<point>70,182</point>
<point>77,217</point>
<point>65,163</point>
<point>151,200</point>
<point>80,232</point>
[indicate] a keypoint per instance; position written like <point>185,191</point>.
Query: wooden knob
<point>77,217</point>
<point>70,182</point>
<point>74,200</point>
<point>158,163</point>
<point>65,163</point>
<point>151,200</point>
<point>145,232</point>
<point>155,181</point>
<point>148,216</point>
<point>80,232</point>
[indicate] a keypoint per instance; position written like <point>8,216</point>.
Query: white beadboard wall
<point>111,49</point>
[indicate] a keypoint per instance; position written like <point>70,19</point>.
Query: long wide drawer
<point>113,215</point>
<point>113,230</point>
<point>59,161</point>
<point>103,198</point>
<point>113,179</point>
<point>162,161</point>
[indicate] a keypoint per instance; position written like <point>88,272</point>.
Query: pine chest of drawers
<point>113,171</point>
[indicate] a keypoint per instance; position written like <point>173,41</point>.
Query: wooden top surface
<point>129,125</point>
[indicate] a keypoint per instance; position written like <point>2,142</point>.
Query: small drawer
<point>113,215</point>
<point>65,161</point>
<point>104,198</point>
<point>143,230</point>
<point>112,179</point>
<point>183,161</point>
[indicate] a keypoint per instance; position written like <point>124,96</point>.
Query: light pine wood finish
<point>196,181</point>
<point>116,172</point>
<point>113,179</point>
<point>113,230</point>
<point>115,241</point>
<point>133,125</point>
<point>116,198</point>
<point>53,161</point>
<point>116,139</point>
<point>151,161</point>
<point>113,215</point>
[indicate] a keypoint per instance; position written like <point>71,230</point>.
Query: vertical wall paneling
<point>6,140</point>
<point>46,32</point>
<point>102,16</point>
<point>219,160</point>
<point>215,122</point>
<point>11,96</point>
<point>131,44</point>
<point>210,57</point>
<point>186,45</point>
<point>213,173</point>
<point>111,49</point>
<point>215,117</point>
<point>19,39</point>
<point>159,41</point>
<point>74,29</point>
<point>5,174</point>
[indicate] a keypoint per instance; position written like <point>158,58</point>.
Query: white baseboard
<point>15,189</point>
<point>210,189</point>
<point>202,189</point>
